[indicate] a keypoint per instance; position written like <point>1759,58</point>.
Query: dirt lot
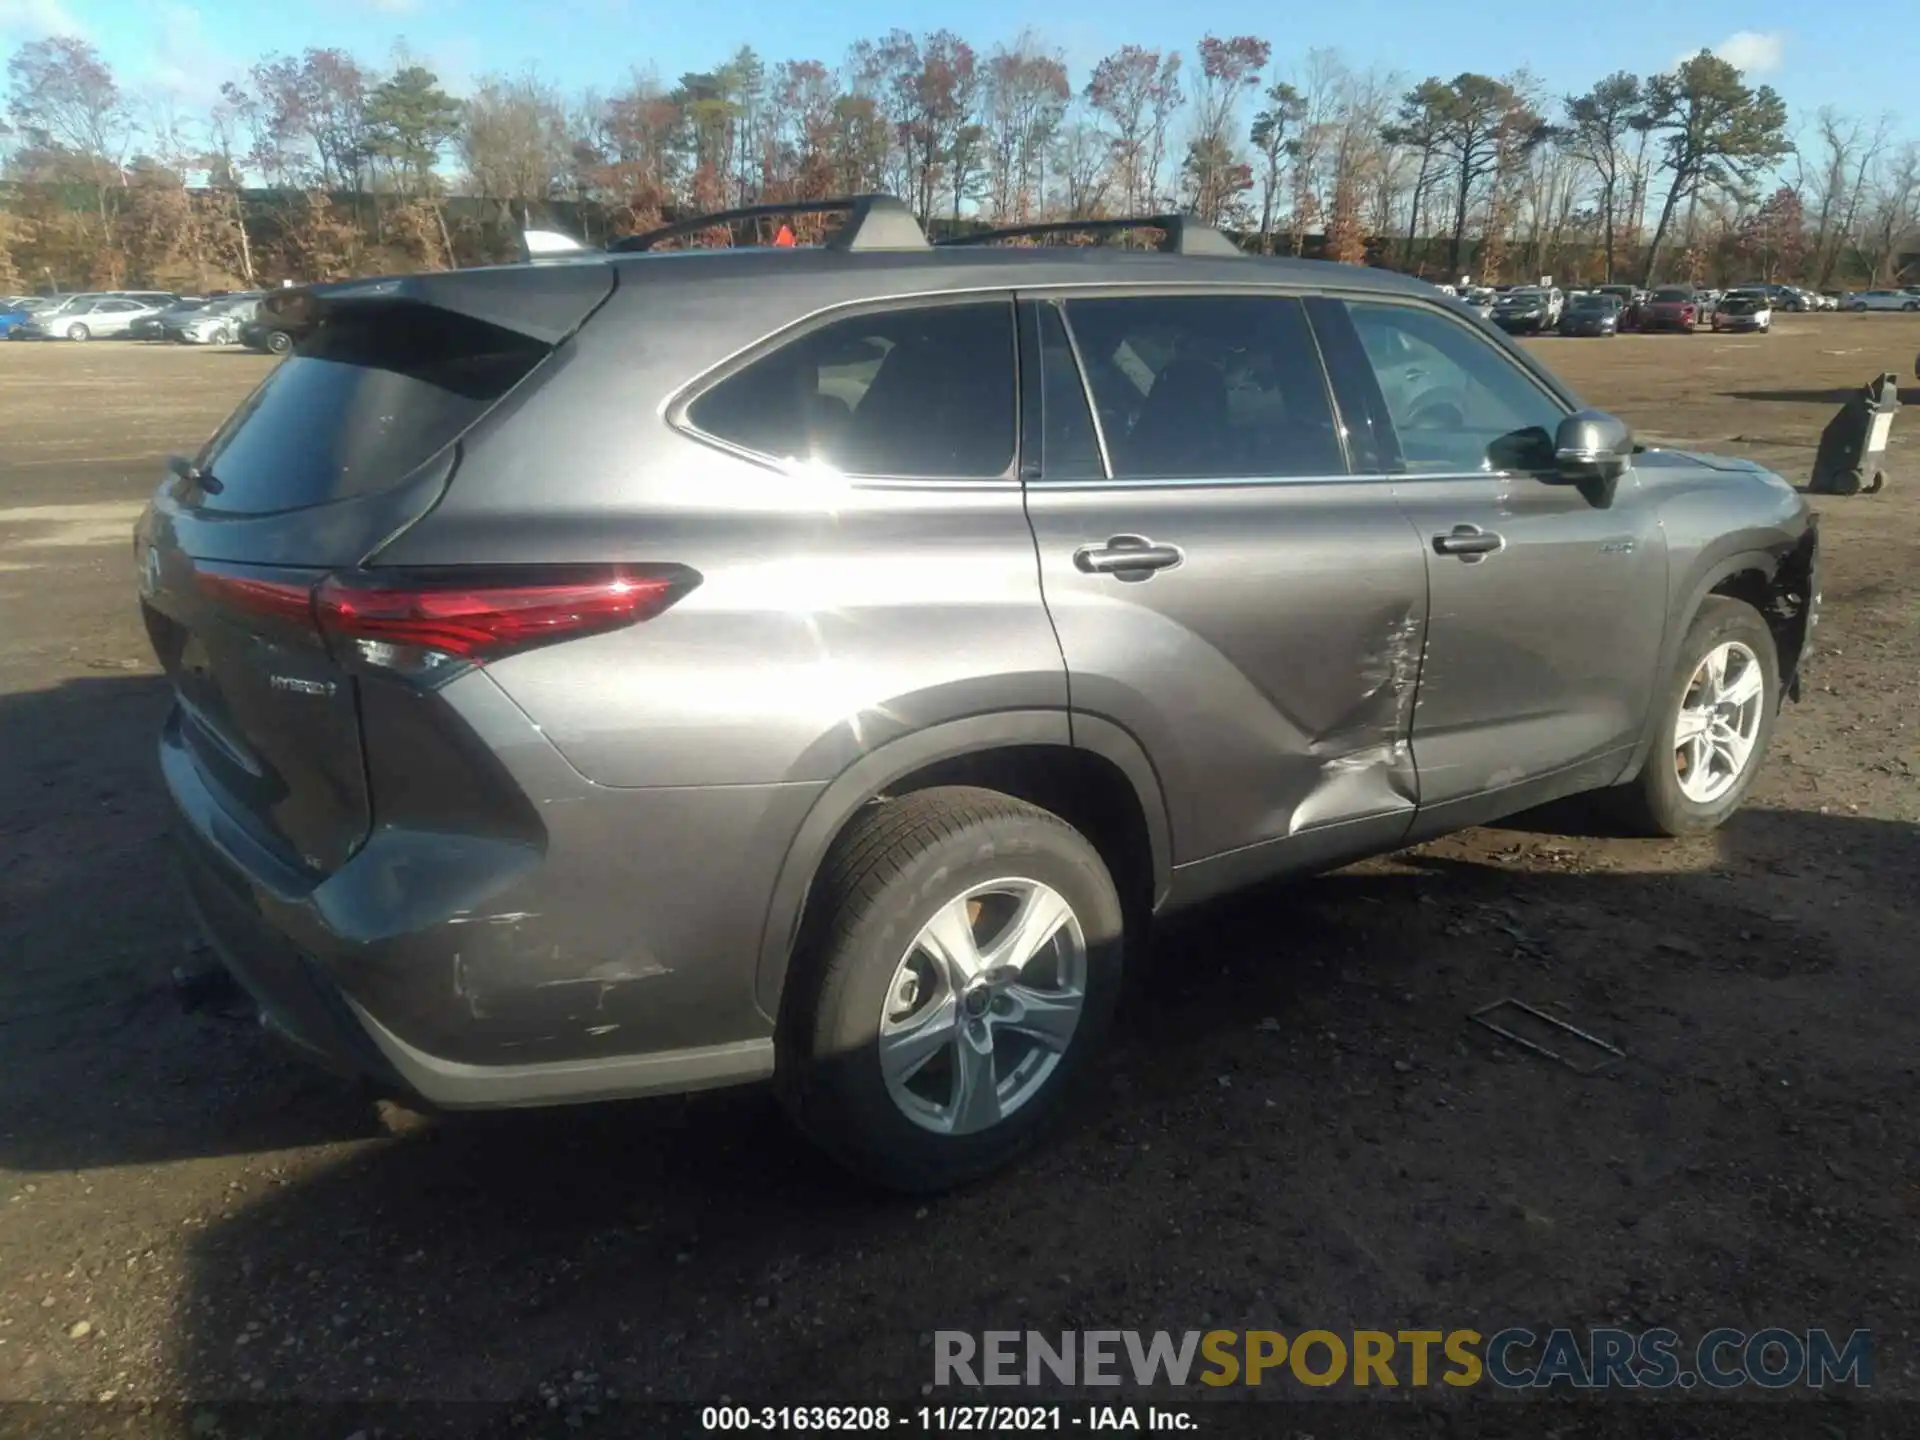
<point>1298,1125</point>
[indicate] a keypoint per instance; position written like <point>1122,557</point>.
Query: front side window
<point>920,393</point>
<point>1207,386</point>
<point>1458,404</point>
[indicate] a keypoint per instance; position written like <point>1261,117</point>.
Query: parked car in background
<point>1744,310</point>
<point>15,310</point>
<point>218,322</point>
<point>1880,300</point>
<point>99,318</point>
<point>491,625</point>
<point>265,335</point>
<point>1671,307</point>
<point>1479,299</point>
<point>1591,313</point>
<point>158,299</point>
<point>1526,311</point>
<point>153,327</point>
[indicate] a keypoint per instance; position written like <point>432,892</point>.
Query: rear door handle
<point>1469,542</point>
<point>1128,556</point>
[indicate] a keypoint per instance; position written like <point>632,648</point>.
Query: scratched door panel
<point>1547,606</point>
<point>1269,669</point>
<point>1541,654</point>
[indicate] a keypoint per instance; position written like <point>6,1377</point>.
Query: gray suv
<point>662,669</point>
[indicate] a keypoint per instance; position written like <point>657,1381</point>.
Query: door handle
<point>1128,556</point>
<point>1469,542</point>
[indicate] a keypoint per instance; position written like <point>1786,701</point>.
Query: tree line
<point>319,165</point>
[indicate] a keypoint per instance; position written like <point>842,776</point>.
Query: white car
<point>1880,300</point>
<point>93,318</point>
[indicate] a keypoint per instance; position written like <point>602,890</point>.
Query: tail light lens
<point>425,620</point>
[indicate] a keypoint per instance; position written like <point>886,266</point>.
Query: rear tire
<point>1690,790</point>
<point>902,872</point>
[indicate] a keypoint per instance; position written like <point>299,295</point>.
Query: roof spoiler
<point>1180,234</point>
<point>546,307</point>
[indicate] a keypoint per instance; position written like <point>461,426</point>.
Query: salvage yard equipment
<point>1853,447</point>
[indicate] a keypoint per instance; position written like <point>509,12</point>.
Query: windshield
<point>1594,302</point>
<point>1671,294</point>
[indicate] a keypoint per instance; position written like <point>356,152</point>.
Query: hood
<point>1729,465</point>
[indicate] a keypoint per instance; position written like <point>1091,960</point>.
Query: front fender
<point>1713,567</point>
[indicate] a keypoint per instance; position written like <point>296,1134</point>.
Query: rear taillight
<point>400,618</point>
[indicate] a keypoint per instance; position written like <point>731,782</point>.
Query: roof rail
<point>874,222</point>
<point>1182,234</point>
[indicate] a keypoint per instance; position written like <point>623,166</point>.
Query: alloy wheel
<point>1719,722</point>
<point>983,1005</point>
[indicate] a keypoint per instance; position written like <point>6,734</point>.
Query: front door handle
<point>1469,542</point>
<point>1128,556</point>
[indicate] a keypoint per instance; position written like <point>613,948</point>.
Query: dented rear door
<point>1222,587</point>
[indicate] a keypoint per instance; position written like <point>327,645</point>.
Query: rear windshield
<point>364,401</point>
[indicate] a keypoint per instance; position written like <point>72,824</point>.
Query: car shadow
<point>1836,396</point>
<point>1296,1123</point>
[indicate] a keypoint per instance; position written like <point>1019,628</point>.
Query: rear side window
<point>1207,387</point>
<point>920,393</point>
<point>366,399</point>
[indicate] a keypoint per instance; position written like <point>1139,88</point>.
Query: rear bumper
<point>616,959</point>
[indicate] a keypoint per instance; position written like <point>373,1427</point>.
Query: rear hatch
<point>350,440</point>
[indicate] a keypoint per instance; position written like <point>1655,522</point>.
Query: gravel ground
<point>1297,1126</point>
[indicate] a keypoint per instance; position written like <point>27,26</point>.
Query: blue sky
<point>1836,54</point>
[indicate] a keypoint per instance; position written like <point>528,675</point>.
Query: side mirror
<point>1592,449</point>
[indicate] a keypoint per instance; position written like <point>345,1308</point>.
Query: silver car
<point>652,671</point>
<point>1880,300</point>
<point>92,318</point>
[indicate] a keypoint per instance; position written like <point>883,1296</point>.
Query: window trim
<point>1374,399</point>
<point>1063,294</point>
<point>680,403</point>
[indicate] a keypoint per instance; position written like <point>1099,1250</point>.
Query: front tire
<point>279,342</point>
<point>1715,721</point>
<point>79,334</point>
<point>960,967</point>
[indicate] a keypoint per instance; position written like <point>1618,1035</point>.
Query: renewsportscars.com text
<point>1513,1359</point>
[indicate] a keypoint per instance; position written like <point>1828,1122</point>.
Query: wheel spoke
<point>1735,748</point>
<point>1747,685</point>
<point>1046,1017</point>
<point>1692,725</point>
<point>1698,776</point>
<point>906,1051</point>
<point>948,938</point>
<point>976,1093</point>
<point>1041,914</point>
<point>1716,667</point>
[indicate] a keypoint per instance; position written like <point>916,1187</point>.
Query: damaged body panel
<point>1271,674</point>
<point>1542,658</point>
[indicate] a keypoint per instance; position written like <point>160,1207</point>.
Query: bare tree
<point>1891,212</point>
<point>1216,175</point>
<point>513,140</point>
<point>1027,95</point>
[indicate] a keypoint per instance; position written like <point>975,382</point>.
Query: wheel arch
<point>1752,576</point>
<point>1091,772</point>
